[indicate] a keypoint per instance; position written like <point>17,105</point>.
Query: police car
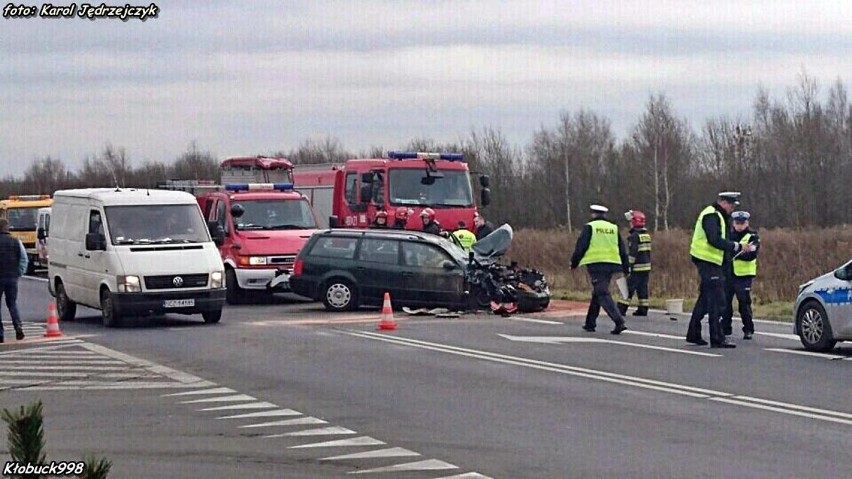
<point>823,310</point>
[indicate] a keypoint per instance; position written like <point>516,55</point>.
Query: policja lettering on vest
<point>602,251</point>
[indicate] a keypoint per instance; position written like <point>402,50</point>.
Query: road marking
<point>653,335</point>
<point>469,475</point>
<point>427,465</point>
<point>806,353</point>
<point>302,421</point>
<point>35,278</point>
<point>43,374</point>
<point>700,393</point>
<point>378,453</point>
<point>238,397</point>
<point>24,362</point>
<point>203,391</point>
<point>251,405</point>
<point>276,413</point>
<point>531,320</point>
<point>779,335</point>
<point>572,339</point>
<point>355,441</point>
<point>325,431</point>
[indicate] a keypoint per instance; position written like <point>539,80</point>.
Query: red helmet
<point>428,212</point>
<point>402,213</point>
<point>638,219</point>
<point>382,214</point>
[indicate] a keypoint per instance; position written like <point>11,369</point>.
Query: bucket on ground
<point>674,306</point>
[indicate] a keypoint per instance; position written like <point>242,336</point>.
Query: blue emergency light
<point>407,155</point>
<point>259,187</point>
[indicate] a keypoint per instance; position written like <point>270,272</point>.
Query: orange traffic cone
<point>52,322</point>
<point>387,322</point>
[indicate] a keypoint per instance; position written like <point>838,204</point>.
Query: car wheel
<point>481,297</point>
<point>108,313</point>
<point>212,317</point>
<point>339,295</point>
<point>233,292</point>
<point>65,308</point>
<point>813,327</point>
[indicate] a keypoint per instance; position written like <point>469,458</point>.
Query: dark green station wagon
<point>347,268</point>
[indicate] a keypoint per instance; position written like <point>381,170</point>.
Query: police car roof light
<point>259,186</point>
<point>428,156</point>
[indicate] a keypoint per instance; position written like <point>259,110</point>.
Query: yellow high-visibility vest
<point>743,267</point>
<point>700,247</point>
<point>603,246</point>
<point>466,238</point>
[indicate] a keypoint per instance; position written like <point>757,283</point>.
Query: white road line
<point>653,335</point>
<point>276,413</point>
<point>378,453</point>
<point>355,441</point>
<point>236,398</point>
<point>427,465</point>
<point>24,362</point>
<point>203,391</point>
<point>806,353</point>
<point>531,320</point>
<point>252,405</point>
<point>796,406</point>
<point>34,278</point>
<point>43,374</point>
<point>302,421</point>
<point>170,373</point>
<point>572,339</point>
<point>51,351</point>
<point>325,431</point>
<point>54,357</point>
<point>782,410</point>
<point>468,475</point>
<point>600,375</point>
<point>78,368</point>
<point>108,386</point>
<point>792,337</point>
<point>14,382</point>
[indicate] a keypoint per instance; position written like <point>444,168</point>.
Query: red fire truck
<point>349,194</point>
<point>259,227</point>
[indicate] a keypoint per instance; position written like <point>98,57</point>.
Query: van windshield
<point>155,224</point>
<point>275,215</point>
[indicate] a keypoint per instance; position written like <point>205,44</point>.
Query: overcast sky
<point>247,77</point>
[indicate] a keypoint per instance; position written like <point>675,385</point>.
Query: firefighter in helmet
<point>429,223</point>
<point>639,255</point>
<point>401,217</point>
<point>381,220</point>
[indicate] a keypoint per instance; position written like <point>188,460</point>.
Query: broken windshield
<point>452,189</point>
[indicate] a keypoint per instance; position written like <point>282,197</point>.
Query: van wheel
<point>65,308</point>
<point>814,329</point>
<point>233,292</point>
<point>108,313</point>
<point>339,295</point>
<point>31,266</point>
<point>212,317</point>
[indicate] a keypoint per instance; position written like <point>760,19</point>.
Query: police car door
<point>839,310</point>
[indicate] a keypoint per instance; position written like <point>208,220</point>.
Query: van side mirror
<point>333,222</point>
<point>484,181</point>
<point>95,242</point>
<point>485,197</point>
<point>41,234</point>
<point>216,232</point>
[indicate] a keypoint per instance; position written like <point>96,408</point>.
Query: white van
<point>131,252</point>
<point>42,233</point>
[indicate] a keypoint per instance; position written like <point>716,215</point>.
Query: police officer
<point>483,228</point>
<point>401,217</point>
<point>709,245</point>
<point>602,251</point>
<point>13,265</point>
<point>639,255</point>
<point>740,275</point>
<point>429,223</point>
<point>464,237</point>
<point>381,220</point>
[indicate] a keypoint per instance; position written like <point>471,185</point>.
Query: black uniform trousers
<point>741,288</point>
<point>711,301</point>
<point>637,283</point>
<point>602,298</point>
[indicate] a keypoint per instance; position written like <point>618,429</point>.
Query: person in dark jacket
<point>429,223</point>
<point>13,265</point>
<point>741,270</point>
<point>483,228</point>
<point>601,249</point>
<point>639,254</point>
<point>708,250</point>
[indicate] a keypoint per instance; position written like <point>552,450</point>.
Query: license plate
<point>178,303</point>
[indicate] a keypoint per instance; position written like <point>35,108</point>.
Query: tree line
<point>792,160</point>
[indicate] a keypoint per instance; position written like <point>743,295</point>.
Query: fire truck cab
<point>258,227</point>
<point>22,214</point>
<point>350,194</point>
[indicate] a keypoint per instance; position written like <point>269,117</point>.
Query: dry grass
<point>787,259</point>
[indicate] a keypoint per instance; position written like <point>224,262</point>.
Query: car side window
<point>379,251</point>
<point>334,247</point>
<point>423,255</point>
<point>96,225</point>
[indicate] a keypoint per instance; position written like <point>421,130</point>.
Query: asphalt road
<point>284,389</point>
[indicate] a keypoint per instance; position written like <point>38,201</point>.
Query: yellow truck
<point>22,213</point>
